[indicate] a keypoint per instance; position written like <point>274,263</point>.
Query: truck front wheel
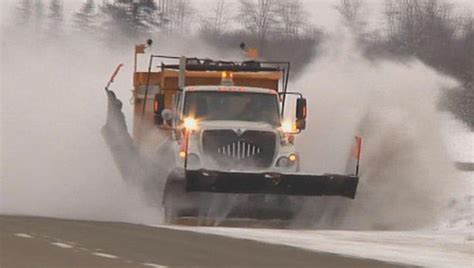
<point>177,202</point>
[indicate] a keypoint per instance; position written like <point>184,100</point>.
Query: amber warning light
<point>226,78</point>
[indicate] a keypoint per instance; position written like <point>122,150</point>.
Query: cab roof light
<point>226,78</point>
<point>227,75</point>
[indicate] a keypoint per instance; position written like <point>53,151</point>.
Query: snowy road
<point>44,242</point>
<point>419,248</point>
<point>31,241</point>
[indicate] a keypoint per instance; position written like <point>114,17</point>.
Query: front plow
<point>271,183</point>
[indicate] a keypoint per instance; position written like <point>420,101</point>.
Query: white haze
<point>55,162</point>
<point>407,177</point>
<point>54,159</point>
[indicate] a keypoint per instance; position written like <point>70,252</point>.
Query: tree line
<point>133,19</point>
<point>223,24</point>
<point>426,29</point>
<point>430,30</point>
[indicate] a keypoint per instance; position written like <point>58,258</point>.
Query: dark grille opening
<point>249,149</point>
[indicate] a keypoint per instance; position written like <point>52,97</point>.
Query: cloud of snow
<point>54,159</point>
<point>407,177</point>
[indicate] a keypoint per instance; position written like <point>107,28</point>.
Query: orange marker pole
<point>111,80</point>
<point>357,153</point>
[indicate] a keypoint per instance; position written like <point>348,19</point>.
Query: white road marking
<point>154,265</point>
<point>61,245</point>
<point>98,254</point>
<point>105,255</point>
<point>24,235</point>
<point>70,244</point>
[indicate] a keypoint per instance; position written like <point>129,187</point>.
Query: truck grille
<point>239,150</point>
<point>249,149</point>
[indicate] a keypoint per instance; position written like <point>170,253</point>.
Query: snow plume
<point>55,162</point>
<point>54,159</point>
<point>407,177</point>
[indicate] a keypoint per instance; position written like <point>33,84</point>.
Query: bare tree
<point>55,17</point>
<point>86,19</point>
<point>466,44</point>
<point>258,17</point>
<point>418,24</point>
<point>38,15</point>
<point>467,34</point>
<point>352,11</point>
<point>291,17</point>
<point>130,18</point>
<point>178,15</point>
<point>24,12</point>
<point>218,19</point>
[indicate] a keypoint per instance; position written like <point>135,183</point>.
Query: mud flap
<point>271,183</point>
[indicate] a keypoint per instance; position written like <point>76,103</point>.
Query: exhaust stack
<point>182,72</point>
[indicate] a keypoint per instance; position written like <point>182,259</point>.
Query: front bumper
<point>271,183</point>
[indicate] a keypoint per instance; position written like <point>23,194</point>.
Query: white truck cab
<point>231,128</point>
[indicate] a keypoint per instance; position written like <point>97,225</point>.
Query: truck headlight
<point>287,126</point>
<point>292,158</point>
<point>190,123</point>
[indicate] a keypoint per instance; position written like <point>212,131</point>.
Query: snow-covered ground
<point>449,244</point>
<point>432,249</point>
<point>460,143</point>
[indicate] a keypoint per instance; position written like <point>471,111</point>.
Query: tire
<point>177,202</point>
<point>173,189</point>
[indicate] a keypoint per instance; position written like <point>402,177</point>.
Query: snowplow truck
<point>218,128</point>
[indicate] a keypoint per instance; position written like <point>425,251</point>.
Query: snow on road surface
<point>430,249</point>
<point>459,140</point>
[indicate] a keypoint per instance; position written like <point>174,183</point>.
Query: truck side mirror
<point>158,107</point>
<point>301,113</point>
<point>301,108</point>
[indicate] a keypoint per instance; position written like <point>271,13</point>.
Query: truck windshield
<point>242,106</point>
